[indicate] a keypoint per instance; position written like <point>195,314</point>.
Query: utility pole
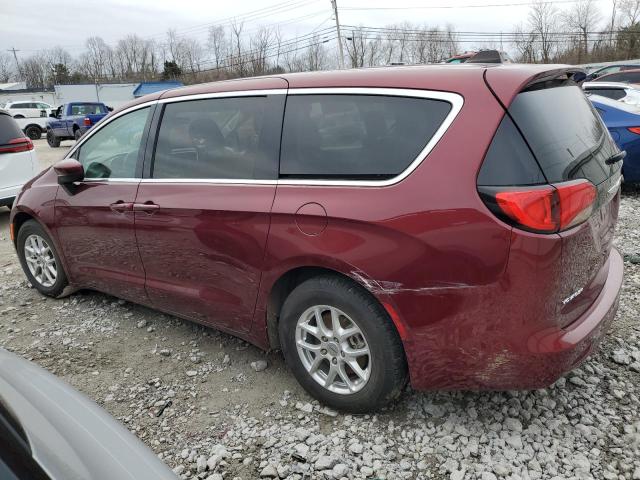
<point>16,58</point>
<point>334,4</point>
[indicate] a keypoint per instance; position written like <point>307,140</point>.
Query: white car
<point>18,161</point>
<point>28,109</point>
<point>622,92</point>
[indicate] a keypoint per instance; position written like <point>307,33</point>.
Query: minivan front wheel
<point>341,345</point>
<point>40,260</point>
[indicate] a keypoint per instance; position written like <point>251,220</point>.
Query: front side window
<point>219,138</point>
<point>344,136</point>
<point>112,152</point>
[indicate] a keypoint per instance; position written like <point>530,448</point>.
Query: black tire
<point>34,132</point>
<point>388,375</point>
<point>77,134</point>
<point>31,227</point>
<point>52,140</point>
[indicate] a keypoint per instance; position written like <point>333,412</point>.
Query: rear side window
<point>565,133</point>
<point>509,160</point>
<point>614,93</point>
<point>9,129</point>
<point>628,77</point>
<point>356,136</point>
<point>87,109</point>
<point>219,138</point>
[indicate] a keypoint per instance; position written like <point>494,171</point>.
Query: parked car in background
<point>49,431</point>
<point>71,120</point>
<point>610,69</point>
<point>28,109</point>
<point>490,56</point>
<point>483,56</point>
<point>33,127</point>
<point>18,161</point>
<point>623,122</point>
<point>376,225</point>
<point>623,92</point>
<point>627,76</point>
<point>461,58</point>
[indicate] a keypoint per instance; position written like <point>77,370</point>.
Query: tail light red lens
<point>543,209</point>
<point>635,130</point>
<point>15,145</point>
<point>87,122</point>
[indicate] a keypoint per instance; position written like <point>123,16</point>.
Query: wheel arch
<point>290,279</point>
<point>19,219</point>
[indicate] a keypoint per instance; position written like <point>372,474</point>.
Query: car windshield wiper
<point>616,158</point>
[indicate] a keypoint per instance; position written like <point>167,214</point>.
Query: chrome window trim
<point>230,94</point>
<point>456,100</point>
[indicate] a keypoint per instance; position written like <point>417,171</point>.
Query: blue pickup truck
<point>71,120</point>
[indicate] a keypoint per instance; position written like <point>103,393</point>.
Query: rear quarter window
<point>9,129</point>
<point>341,136</point>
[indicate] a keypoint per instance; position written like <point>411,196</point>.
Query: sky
<point>68,23</point>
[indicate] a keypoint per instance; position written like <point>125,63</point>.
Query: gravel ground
<point>214,407</point>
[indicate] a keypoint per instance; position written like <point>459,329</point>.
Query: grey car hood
<point>71,437</point>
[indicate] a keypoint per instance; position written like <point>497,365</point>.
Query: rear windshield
<point>87,109</point>
<point>9,129</point>
<point>565,133</point>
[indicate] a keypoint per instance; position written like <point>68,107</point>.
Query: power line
<point>486,5</point>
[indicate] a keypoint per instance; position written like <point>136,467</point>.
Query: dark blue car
<point>623,122</point>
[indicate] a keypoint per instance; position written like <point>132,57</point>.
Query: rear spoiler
<point>506,81</point>
<point>547,79</point>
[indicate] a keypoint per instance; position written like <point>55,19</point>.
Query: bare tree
<point>237,48</point>
<point>582,18</point>
<point>259,47</point>
<point>629,12</point>
<point>6,67</point>
<point>524,43</point>
<point>543,21</point>
<point>218,45</point>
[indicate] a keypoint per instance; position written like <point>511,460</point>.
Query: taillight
<point>15,145</point>
<point>542,209</point>
<point>635,130</point>
<point>87,122</point>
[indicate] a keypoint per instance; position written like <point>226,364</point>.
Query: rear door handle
<point>121,206</point>
<point>148,207</point>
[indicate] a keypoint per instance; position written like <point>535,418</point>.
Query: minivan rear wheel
<point>341,345</point>
<point>40,260</point>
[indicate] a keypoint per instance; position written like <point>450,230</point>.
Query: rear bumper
<point>535,361</point>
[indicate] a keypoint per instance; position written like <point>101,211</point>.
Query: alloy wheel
<point>333,349</point>
<point>40,260</point>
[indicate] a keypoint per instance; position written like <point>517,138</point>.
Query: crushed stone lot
<point>204,402</point>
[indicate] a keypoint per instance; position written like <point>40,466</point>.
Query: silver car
<point>49,431</point>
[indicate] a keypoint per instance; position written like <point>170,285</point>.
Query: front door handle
<point>148,207</point>
<point>121,206</point>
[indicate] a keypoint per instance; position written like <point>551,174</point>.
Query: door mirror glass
<point>112,152</point>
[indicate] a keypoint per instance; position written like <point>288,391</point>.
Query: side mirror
<point>110,109</point>
<point>69,171</point>
<point>53,115</point>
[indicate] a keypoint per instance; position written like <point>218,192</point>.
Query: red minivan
<point>447,225</point>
